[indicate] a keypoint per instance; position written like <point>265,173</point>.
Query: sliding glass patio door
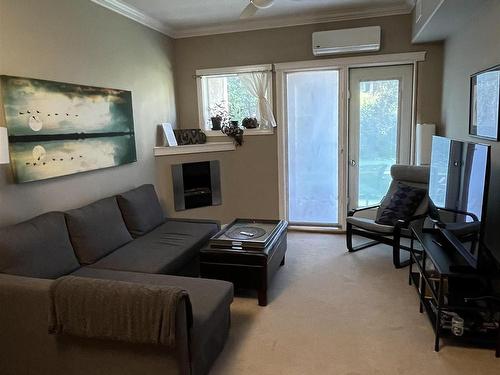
<point>312,143</point>
<point>342,129</point>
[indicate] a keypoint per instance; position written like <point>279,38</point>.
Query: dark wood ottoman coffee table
<point>246,252</point>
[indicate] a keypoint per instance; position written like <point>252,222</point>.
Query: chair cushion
<point>166,249</point>
<point>39,248</point>
<point>412,175</point>
<point>96,230</point>
<point>403,204</point>
<point>210,299</point>
<point>370,225</point>
<point>141,210</point>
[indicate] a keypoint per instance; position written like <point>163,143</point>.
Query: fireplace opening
<point>196,185</point>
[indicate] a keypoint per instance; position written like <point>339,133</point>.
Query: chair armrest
<point>460,212</point>
<point>405,223</point>
<point>353,211</point>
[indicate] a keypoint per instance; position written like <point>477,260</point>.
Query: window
<point>230,92</point>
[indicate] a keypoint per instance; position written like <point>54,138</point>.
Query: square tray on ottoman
<point>247,252</point>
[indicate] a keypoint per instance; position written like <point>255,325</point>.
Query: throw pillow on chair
<point>404,202</point>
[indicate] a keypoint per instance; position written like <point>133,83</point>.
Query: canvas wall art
<point>484,117</point>
<point>56,129</point>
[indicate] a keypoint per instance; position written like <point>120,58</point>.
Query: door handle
<point>353,162</point>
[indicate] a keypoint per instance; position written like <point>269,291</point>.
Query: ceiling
<point>183,18</point>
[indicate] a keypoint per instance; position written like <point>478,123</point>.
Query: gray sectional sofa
<point>122,238</point>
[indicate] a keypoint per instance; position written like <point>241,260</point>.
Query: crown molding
<point>257,24</point>
<point>136,15</point>
<point>279,22</point>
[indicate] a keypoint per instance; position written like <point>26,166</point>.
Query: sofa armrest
<point>202,221</point>
<point>24,339</point>
<point>26,346</point>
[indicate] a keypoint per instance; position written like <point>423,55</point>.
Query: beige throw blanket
<point>115,310</point>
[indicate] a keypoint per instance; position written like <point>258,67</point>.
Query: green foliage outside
<point>379,102</point>
<point>241,103</point>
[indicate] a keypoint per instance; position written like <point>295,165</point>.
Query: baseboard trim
<point>330,230</point>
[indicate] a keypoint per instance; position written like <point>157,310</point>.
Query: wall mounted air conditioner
<point>360,39</point>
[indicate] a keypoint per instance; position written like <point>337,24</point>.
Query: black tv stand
<point>448,286</point>
<point>462,268</point>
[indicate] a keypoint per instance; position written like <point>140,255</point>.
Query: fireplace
<point>196,185</point>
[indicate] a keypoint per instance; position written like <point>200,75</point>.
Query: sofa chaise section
<point>27,348</point>
<point>210,300</point>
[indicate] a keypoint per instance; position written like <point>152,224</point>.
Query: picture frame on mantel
<point>484,111</point>
<point>169,135</point>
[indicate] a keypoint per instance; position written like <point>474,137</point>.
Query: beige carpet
<point>331,312</point>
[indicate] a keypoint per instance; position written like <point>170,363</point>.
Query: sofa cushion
<point>166,249</point>
<point>96,230</point>
<point>210,300</point>
<point>39,247</point>
<point>141,210</point>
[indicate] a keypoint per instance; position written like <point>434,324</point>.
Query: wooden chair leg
<point>497,353</point>
<point>353,249</point>
<point>396,250</point>
<point>396,255</point>
<point>348,237</point>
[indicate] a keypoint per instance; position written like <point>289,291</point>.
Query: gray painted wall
<point>428,7</point>
<point>78,41</point>
<point>250,174</point>
<point>474,48</point>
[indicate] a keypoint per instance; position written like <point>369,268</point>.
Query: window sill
<point>218,133</point>
<point>194,149</point>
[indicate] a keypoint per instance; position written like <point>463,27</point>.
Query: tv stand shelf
<point>438,271</point>
<point>445,259</point>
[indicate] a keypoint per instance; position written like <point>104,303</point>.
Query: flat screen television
<point>458,192</point>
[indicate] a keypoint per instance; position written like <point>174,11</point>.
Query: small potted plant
<point>219,115</point>
<point>234,131</point>
<point>250,123</point>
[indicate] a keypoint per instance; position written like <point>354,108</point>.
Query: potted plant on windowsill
<point>250,123</point>
<point>233,130</point>
<point>219,115</point>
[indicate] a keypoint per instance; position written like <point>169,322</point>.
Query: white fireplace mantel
<point>194,149</point>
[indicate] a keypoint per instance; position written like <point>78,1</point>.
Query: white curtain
<point>257,84</point>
